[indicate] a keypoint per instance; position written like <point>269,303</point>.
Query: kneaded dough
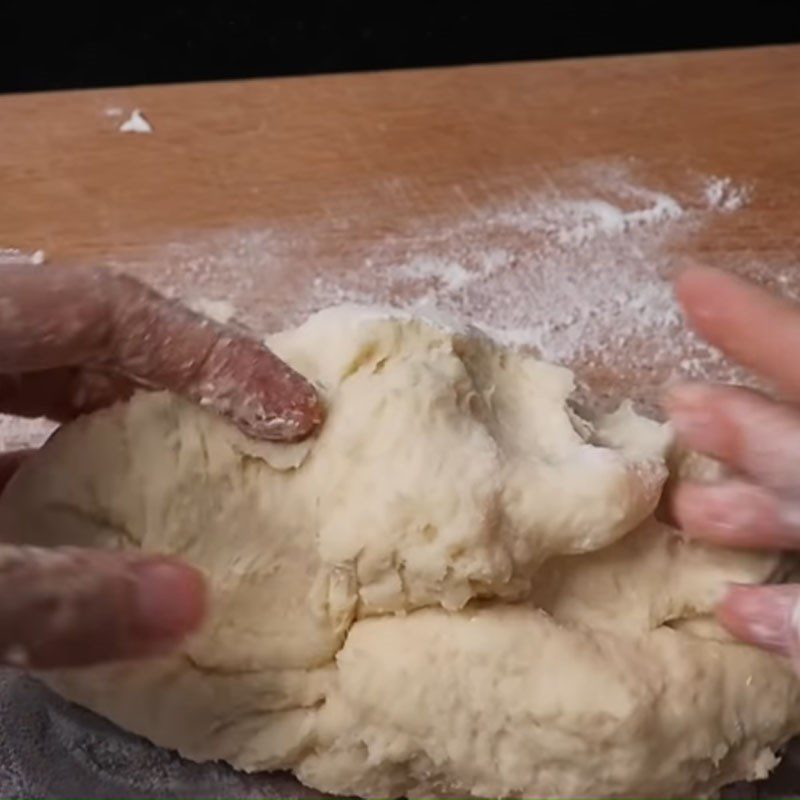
<point>458,588</point>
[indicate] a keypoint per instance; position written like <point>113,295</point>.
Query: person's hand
<point>73,340</point>
<point>758,438</point>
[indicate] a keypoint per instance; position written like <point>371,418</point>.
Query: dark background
<point>69,45</point>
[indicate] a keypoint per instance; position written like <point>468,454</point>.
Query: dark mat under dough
<point>51,748</point>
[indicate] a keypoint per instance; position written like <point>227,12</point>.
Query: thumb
<point>70,607</point>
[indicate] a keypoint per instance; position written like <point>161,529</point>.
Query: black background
<point>44,46</point>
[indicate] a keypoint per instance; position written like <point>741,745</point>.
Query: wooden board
<point>381,149</point>
<point>324,172</point>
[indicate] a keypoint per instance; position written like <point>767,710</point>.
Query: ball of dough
<point>457,588</point>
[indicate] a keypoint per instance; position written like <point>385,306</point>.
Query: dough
<point>458,588</point>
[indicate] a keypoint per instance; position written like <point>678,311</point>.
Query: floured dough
<point>458,588</point>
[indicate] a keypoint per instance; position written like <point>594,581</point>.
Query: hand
<point>74,340</point>
<point>758,438</point>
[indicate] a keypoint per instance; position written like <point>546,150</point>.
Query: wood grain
<point>380,150</point>
<point>347,163</point>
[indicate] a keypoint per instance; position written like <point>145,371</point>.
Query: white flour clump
<point>11,255</point>
<point>221,311</point>
<point>724,195</point>
<point>136,123</point>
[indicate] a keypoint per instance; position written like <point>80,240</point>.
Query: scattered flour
<point>584,281</point>
<point>723,194</point>
<point>136,123</point>
<point>11,255</point>
<point>583,276</point>
<point>221,311</point>
<point>577,222</point>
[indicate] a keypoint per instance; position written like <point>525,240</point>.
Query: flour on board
<point>578,279</point>
<point>724,195</point>
<point>583,276</point>
<point>579,269</point>
<point>136,123</point>
<point>12,255</point>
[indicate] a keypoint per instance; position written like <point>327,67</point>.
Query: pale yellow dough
<point>458,588</point>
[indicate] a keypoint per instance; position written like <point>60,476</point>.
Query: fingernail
<point>763,615</point>
<point>687,406</point>
<point>169,600</point>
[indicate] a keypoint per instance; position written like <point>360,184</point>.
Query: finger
<point>747,323</point>
<point>10,462</point>
<point>61,394</point>
<point>71,607</point>
<point>737,514</point>
<point>765,616</point>
<point>68,317</point>
<point>750,433</point>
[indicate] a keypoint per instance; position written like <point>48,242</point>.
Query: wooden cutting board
<point>385,149</point>
<point>320,174</point>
